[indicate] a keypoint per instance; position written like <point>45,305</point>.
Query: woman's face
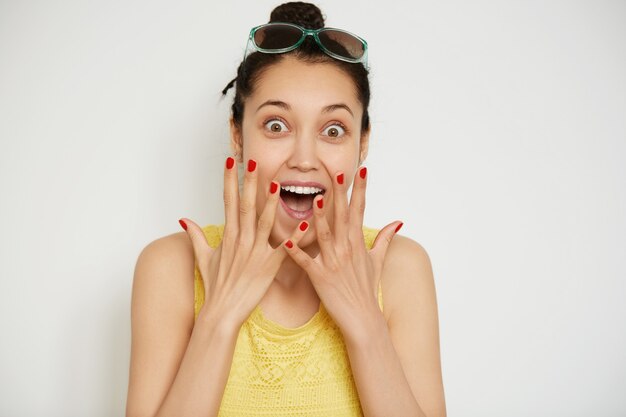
<point>302,125</point>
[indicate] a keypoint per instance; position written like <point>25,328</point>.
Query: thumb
<point>201,249</point>
<point>383,239</point>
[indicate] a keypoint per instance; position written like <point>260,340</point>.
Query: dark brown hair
<point>308,16</point>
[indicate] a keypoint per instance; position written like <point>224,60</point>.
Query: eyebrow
<point>338,106</point>
<point>287,107</point>
<point>276,103</point>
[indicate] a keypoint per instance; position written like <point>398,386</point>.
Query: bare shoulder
<point>412,317</point>
<point>162,319</point>
<point>407,274</point>
<point>164,272</point>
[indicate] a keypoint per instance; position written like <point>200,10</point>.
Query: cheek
<point>341,158</point>
<point>263,183</point>
<point>267,169</point>
<point>258,147</point>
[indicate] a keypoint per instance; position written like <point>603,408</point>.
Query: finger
<point>341,214</point>
<point>231,196</point>
<point>247,205</point>
<point>357,201</point>
<point>231,211</point>
<point>299,233</point>
<point>357,210</point>
<point>299,256</point>
<point>324,234</point>
<point>280,252</point>
<point>382,241</point>
<point>201,249</point>
<point>266,221</point>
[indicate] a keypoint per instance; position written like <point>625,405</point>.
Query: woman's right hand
<point>239,271</point>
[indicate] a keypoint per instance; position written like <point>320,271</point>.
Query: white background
<point>499,137</point>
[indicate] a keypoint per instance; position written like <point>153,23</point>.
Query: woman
<point>289,316</point>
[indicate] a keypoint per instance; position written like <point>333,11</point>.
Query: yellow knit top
<point>280,371</point>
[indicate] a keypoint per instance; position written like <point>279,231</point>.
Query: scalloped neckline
<point>259,317</point>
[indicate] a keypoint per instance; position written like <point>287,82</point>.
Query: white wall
<point>499,137</point>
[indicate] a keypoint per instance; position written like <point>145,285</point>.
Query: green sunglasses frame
<point>305,32</point>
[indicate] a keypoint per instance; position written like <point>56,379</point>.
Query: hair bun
<point>307,15</point>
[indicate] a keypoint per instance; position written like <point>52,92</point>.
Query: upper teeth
<point>301,190</point>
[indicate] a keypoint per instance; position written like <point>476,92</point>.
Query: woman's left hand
<point>345,273</point>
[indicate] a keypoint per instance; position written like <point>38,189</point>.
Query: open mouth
<point>298,200</point>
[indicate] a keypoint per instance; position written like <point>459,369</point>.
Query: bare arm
<point>176,368</point>
<point>200,381</point>
<point>396,365</point>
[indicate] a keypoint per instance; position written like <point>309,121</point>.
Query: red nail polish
<point>363,172</point>
<point>251,165</point>
<point>289,244</point>
<point>304,226</point>
<point>320,203</point>
<point>230,162</point>
<point>340,179</point>
<point>183,224</point>
<point>399,227</point>
<point>273,187</point>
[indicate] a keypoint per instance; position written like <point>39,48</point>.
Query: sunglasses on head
<point>276,38</point>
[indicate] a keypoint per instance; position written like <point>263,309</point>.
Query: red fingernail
<point>340,179</point>
<point>289,244</point>
<point>320,203</point>
<point>251,165</point>
<point>273,187</point>
<point>399,227</point>
<point>363,172</point>
<point>304,226</point>
<point>183,224</point>
<point>230,162</point>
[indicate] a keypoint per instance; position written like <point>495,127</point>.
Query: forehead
<point>305,84</point>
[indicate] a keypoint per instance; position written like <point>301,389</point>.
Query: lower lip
<point>300,215</point>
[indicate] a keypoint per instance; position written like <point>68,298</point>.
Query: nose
<point>304,155</point>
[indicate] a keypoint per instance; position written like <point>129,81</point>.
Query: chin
<point>279,234</point>
<point>308,239</point>
<point>283,230</point>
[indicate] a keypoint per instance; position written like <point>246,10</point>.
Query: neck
<point>290,276</point>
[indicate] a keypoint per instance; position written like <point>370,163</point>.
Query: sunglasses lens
<point>342,43</point>
<point>277,36</point>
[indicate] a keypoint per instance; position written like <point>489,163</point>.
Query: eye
<point>276,126</point>
<point>334,131</point>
